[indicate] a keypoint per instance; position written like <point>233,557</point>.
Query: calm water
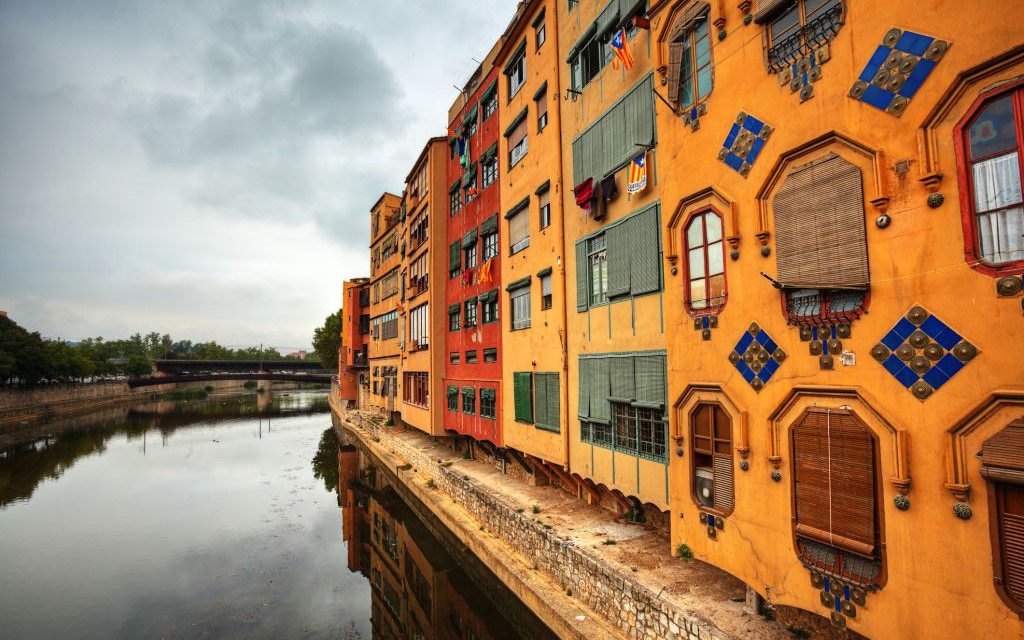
<point>220,519</point>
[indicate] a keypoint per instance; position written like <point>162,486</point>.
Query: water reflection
<point>418,590</point>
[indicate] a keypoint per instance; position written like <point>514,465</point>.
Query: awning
<point>469,239</point>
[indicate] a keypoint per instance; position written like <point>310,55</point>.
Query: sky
<point>206,169</point>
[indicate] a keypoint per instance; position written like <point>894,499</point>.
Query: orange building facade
<point>384,354</point>
<point>353,353</point>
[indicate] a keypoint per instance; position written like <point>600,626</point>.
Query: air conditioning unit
<point>704,486</point>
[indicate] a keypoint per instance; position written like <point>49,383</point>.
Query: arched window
<point>705,262</point>
<point>689,57</point>
<point>989,143</point>
<point>835,496</point>
<point>711,458</point>
<point>1002,465</point>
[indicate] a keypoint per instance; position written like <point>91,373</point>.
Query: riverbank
<point>567,558</point>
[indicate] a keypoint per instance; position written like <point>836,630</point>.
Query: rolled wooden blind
<point>820,236</point>
<point>723,483</point>
<point>622,378</point>
<point>583,410</point>
<point>519,227</point>
<point>599,408</point>
<point>517,133</point>
<point>618,252</point>
<point>645,252</point>
<point>1002,455</point>
<point>581,276</point>
<point>1011,534</point>
<point>834,478</point>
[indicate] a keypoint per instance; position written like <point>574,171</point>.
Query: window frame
<point>515,72</point>
<point>490,242</point>
<point>470,258</point>
<point>452,398</point>
<point>471,356</point>
<point>488,403</point>
<point>471,314</point>
<point>597,298</point>
<point>961,146</point>
<point>539,31</point>
<point>709,308</point>
<point>488,172</point>
<point>513,295</point>
<point>468,400</point>
<point>800,32</point>
<point>691,73</point>
<point>489,310</point>
<point>711,453</point>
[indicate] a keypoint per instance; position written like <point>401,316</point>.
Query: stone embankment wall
<point>637,611</point>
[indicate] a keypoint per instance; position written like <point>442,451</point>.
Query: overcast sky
<point>205,169</point>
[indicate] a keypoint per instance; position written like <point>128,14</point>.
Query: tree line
<point>28,359</point>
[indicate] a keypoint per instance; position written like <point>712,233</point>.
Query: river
<point>219,518</point>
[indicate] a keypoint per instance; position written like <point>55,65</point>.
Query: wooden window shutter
<point>517,133</point>
<point>675,60</point>
<point>540,399</point>
<point>676,44</point>
<point>454,256</point>
<point>618,250</point>
<point>1010,515</point>
<point>724,499</point>
<point>614,142</point>
<point>583,410</point>
<point>547,400</point>
<point>599,408</point>
<point>650,379</point>
<point>834,476</point>
<point>820,235</point>
<point>1002,455</point>
<point>542,103</point>
<point>644,252</point>
<point>523,398</point>
<point>519,227</point>
<point>581,275</point>
<point>621,373</point>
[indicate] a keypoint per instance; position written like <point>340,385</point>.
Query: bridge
<point>174,371</point>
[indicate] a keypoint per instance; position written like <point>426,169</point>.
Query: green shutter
<point>650,380</point>
<point>521,383</point>
<point>490,225</point>
<point>453,390</point>
<point>547,400</point>
<point>470,239</point>
<point>618,249</point>
<point>621,373</point>
<point>581,275</point>
<point>639,118</point>
<point>577,161</point>
<point>583,411</point>
<point>454,256</point>
<point>644,252</point>
<point>540,399</point>
<point>614,139</point>
<point>608,19</point>
<point>554,419</point>
<point>599,408</point>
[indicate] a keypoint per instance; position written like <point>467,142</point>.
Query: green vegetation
<point>431,484</point>
<point>190,393</point>
<point>536,508</point>
<point>327,340</point>
<point>209,388</point>
<point>608,541</point>
<point>683,551</point>
<point>249,384</point>
<point>325,462</point>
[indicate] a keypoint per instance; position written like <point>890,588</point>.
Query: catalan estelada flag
<point>621,48</point>
<point>637,179</point>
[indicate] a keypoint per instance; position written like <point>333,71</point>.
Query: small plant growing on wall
<point>431,484</point>
<point>608,541</point>
<point>536,508</point>
<point>683,551</point>
<point>389,423</point>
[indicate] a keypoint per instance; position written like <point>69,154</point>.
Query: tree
<point>138,366</point>
<point>327,341</point>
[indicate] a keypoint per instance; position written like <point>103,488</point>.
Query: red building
<point>473,336</point>
<point>353,365</point>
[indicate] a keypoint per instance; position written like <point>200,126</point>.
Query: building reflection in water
<point>418,590</point>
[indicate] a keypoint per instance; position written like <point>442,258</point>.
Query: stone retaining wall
<point>632,607</point>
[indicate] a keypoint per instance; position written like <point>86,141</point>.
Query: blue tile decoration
<point>705,324</point>
<point>897,69</point>
<point>825,340</point>
<point>756,356</point>
<point>801,74</point>
<point>692,115</point>
<point>744,143</point>
<point>922,352</point>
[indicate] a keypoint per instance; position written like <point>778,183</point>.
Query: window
<point>471,252</point>
<point>453,357</point>
<point>544,198</point>
<point>454,199</point>
<point>794,27</point>
<point>387,325</point>
<point>522,387</point>
<point>611,141</point>
<point>452,396</point>
<point>488,403</point>
<point>471,127</point>
<point>989,145</point>
<point>836,521</point>
<point>389,285</point>
<point>416,390</point>
<point>489,304</point>
<point>453,317</point>
<point>689,59</point>
<point>705,262</point>
<point>519,227</point>
<point>519,303</point>
<point>419,280</point>
<point>572,4</point>
<point>364,323</point>
<point>547,401</point>
<point>539,35</point>
<point>469,190</point>
<point>469,400</point>
<point>490,246</point>
<point>1002,465</point>
<point>515,70</point>
<point>470,314</point>
<point>586,60</point>
<point>711,457</point>
<point>454,258</point>
<point>490,171</point>
<point>622,399</point>
<point>489,100</point>
<point>598,261</point>
<point>540,100</point>
<point>471,357</point>
<point>516,136</point>
<point>490,355</point>
<point>545,291</point>
<point>821,242</point>
<point>419,325</point>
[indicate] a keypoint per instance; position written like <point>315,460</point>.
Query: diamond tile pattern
<point>897,69</point>
<point>756,356</point>
<point>744,143</point>
<point>922,352</point>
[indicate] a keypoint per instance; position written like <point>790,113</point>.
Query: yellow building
<point>385,286</point>
<point>535,404</point>
<point>842,239</point>
<point>616,307</point>
<point>422,297</point>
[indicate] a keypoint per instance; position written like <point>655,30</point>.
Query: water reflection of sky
<point>209,530</point>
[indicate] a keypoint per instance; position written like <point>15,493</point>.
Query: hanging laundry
<point>621,48</point>
<point>637,180</point>
<point>485,270</point>
<point>467,277</point>
<point>584,193</point>
<point>608,188</point>
<point>464,153</point>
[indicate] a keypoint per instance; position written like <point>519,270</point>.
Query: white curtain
<point>997,191</point>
